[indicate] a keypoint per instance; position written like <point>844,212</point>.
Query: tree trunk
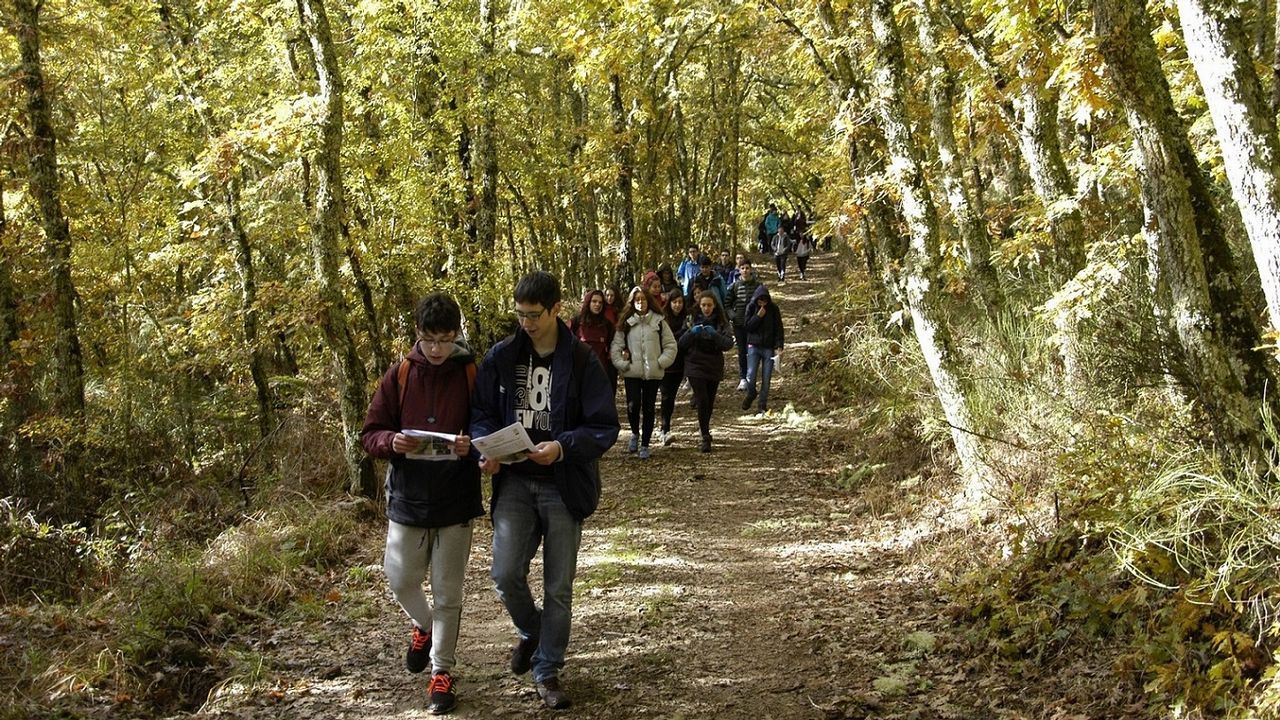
<point>15,382</point>
<point>1246,131</point>
<point>1178,219</point>
<point>1275,66</point>
<point>233,226</point>
<point>921,266</point>
<point>45,189</point>
<point>326,241</point>
<point>624,274</point>
<point>1034,115</point>
<point>486,151</point>
<point>1037,108</point>
<point>972,229</point>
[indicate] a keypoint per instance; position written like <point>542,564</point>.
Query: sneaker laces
<point>441,682</point>
<point>421,639</point>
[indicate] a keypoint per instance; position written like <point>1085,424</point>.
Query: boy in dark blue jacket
<point>544,378</point>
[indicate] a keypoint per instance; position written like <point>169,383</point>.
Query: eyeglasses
<point>530,315</point>
<point>435,342</point>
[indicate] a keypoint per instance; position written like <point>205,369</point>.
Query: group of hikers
<point>558,382</point>
<point>782,235</point>
<point>676,326</point>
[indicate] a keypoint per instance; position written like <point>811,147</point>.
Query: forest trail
<point>743,583</point>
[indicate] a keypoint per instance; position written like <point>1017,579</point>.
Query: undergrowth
<point>1123,543</point>
<point>112,617</point>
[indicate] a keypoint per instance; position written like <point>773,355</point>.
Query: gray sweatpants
<point>411,553</point>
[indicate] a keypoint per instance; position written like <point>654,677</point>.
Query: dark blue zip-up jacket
<point>584,419</point>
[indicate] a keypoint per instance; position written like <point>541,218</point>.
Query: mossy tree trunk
<point>326,242</point>
<point>1204,329</point>
<point>921,265</point>
<point>1246,131</point>
<point>968,221</point>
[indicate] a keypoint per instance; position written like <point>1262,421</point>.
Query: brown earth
<point>758,581</point>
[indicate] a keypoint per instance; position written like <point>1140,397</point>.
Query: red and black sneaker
<point>419,655</point>
<point>440,691</point>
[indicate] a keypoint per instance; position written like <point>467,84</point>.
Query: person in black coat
<point>704,344</point>
<point>764,342</point>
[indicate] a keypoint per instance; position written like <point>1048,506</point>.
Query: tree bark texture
<point>45,189</point>
<point>15,382</point>
<point>326,240</point>
<point>1245,128</point>
<point>486,151</point>
<point>1034,115</point>
<point>1195,337</point>
<point>1037,108</point>
<point>624,155</point>
<point>921,265</point>
<point>969,223</point>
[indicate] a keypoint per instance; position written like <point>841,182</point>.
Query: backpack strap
<point>402,378</point>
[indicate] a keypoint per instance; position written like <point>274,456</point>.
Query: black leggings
<point>642,395</point>
<point>704,394</point>
<point>670,386</point>
<point>802,261</point>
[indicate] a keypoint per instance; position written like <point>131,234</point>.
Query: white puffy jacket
<point>651,343</point>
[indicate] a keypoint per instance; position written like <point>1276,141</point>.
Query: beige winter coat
<point>651,344</point>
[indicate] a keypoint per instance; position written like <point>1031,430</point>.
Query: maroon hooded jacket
<point>425,493</point>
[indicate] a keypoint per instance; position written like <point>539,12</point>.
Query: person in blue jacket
<point>554,386</point>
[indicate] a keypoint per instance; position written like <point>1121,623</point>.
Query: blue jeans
<point>760,364</point>
<point>740,344</point>
<point>528,513</point>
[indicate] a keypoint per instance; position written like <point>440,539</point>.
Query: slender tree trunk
<point>624,156</point>
<point>972,229</point>
<point>1038,137</point>
<point>326,241</point>
<point>486,150</point>
<point>233,226</point>
<point>249,305</point>
<point>1246,131</point>
<point>15,381</point>
<point>45,189</point>
<point>921,267</point>
<point>1204,354</point>
<point>1034,115</point>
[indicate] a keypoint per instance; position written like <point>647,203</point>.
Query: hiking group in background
<point>558,381</point>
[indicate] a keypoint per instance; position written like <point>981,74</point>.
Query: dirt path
<point>744,583</point>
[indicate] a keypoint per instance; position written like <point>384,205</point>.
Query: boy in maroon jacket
<point>433,493</point>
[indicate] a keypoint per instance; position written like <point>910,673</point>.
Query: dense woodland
<point>217,215</point>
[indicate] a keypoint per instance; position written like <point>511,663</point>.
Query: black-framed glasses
<point>430,342</point>
<point>529,315</point>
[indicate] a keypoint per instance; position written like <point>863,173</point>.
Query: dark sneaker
<point>750,398</point>
<point>706,443</point>
<point>551,694</point>
<point>419,655</point>
<point>522,655</point>
<point>443,697</point>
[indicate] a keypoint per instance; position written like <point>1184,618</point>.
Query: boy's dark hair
<point>538,287</point>
<point>438,313</point>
